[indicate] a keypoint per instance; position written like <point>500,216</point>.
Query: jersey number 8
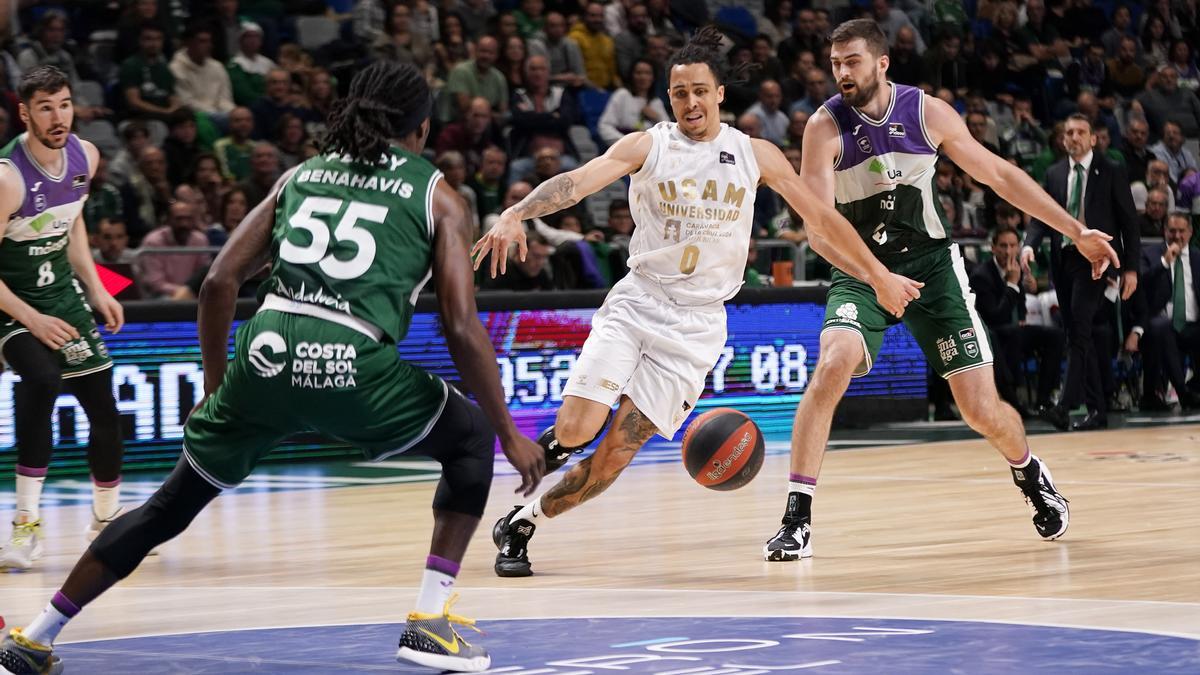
<point>317,251</point>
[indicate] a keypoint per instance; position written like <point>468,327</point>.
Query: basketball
<point>723,449</point>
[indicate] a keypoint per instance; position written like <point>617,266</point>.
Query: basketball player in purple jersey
<point>47,333</point>
<point>872,150</point>
<point>662,327</point>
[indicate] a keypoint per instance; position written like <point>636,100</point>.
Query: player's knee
<point>467,473</point>
<point>573,431</point>
<point>982,413</point>
<point>41,385</point>
<point>837,363</point>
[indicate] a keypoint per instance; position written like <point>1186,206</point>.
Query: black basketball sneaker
<point>1050,513</point>
<point>512,538</point>
<point>793,541</point>
<point>22,656</point>
<point>557,454</point>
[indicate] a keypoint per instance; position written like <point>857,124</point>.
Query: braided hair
<point>387,100</point>
<point>705,47</point>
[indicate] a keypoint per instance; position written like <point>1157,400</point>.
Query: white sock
<point>802,487</point>
<point>436,587</point>
<point>45,629</point>
<point>531,511</point>
<point>29,494</point>
<point>106,501</point>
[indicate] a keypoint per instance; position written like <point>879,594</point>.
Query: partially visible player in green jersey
<point>48,335</point>
<point>354,234</point>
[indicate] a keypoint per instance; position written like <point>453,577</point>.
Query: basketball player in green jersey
<point>47,331</point>
<point>354,234</point>
<point>872,150</point>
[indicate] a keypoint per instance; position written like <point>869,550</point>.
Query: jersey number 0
<point>317,251</point>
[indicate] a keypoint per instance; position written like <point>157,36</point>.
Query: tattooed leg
<point>630,431</point>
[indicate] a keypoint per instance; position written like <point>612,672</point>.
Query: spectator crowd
<point>197,108</point>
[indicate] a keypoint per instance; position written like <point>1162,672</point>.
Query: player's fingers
<point>495,262</point>
<point>503,255</point>
<point>67,328</point>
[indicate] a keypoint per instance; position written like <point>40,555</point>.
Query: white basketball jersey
<point>693,204</point>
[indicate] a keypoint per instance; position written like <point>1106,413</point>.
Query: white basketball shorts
<point>653,351</point>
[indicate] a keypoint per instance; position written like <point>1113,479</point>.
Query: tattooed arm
<point>562,191</point>
<point>594,474</point>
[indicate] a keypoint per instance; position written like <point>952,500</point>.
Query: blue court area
<point>664,646</point>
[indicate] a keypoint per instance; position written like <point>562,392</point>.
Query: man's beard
<point>863,93</point>
<point>47,140</point>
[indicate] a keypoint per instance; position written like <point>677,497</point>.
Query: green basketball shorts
<point>943,321</point>
<point>293,373</point>
<point>83,356</point>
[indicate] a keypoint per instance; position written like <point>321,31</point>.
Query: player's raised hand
<point>1094,246</point>
<point>528,458</point>
<point>51,330</point>
<point>895,291</point>
<point>496,241</point>
<point>110,309</point>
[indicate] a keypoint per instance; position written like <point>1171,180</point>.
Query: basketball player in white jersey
<point>662,327</point>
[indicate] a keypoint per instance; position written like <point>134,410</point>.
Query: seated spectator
<point>547,164</point>
<point>454,47</point>
<point>788,226</point>
<point>1000,287</point>
<point>1125,76</point>
<point>488,181</point>
<point>1171,291</point>
<point>805,37</point>
<point>233,151</point>
<point>478,77</point>
<point>566,61</point>
<point>206,176</point>
<point>893,20</point>
<point>145,80</point>
<point>751,278</point>
<point>1122,27</point>
<point>542,116</point>
<point>110,243</point>
<point>632,108</point>
<point>1157,176</point>
<point>977,125</point>
<point>620,223</point>
<point>1135,149</point>
<point>1153,221</point>
<point>277,101</point>
<point>531,274</point>
<point>766,65</point>
<point>47,46</point>
<point>248,68</point>
<point>290,140</point>
<point>776,20</point>
<point>511,63</point>
<point>596,45</point>
<point>401,43</point>
<point>1089,106</point>
<point>516,191</point>
<point>1025,139</point>
<point>816,91</point>
<point>906,66</point>
<point>1170,150</point>
<point>945,66</point>
<point>104,200</point>
<point>530,18</point>
<point>773,122</point>
<point>1155,44</point>
<point>234,207</point>
<point>1104,147</point>
<point>180,146</point>
<point>476,15</point>
<point>148,194</point>
<point>454,169</point>
<point>135,138</point>
<point>137,14</point>
<point>1185,65</point>
<point>319,97</point>
<point>264,171</point>
<point>471,136</point>
<point>201,82</point>
<point>630,44</point>
<point>165,276</point>
<point>1166,102</point>
<point>750,124</point>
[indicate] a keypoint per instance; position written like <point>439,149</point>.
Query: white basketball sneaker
<point>24,546</point>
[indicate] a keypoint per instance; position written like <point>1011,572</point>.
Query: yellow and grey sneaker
<point>431,640</point>
<point>21,656</point>
<point>24,546</point>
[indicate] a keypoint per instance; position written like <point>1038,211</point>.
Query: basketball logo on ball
<point>723,449</point>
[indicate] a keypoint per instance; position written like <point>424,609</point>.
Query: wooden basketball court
<point>919,532</point>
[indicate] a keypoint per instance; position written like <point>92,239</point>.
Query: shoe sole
<point>443,661</point>
<point>780,555</point>
<point>526,571</point>
<point>1066,514</point>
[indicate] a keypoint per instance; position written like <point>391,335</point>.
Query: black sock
<point>799,508</point>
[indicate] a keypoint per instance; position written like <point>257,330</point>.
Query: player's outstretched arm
<point>79,253</point>
<point>1011,183</point>
<point>242,256</point>
<point>466,338</point>
<point>564,190</point>
<point>832,235</point>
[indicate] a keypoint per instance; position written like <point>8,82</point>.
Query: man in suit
<point>1171,292</point>
<point>1096,192</point>
<point>1000,287</point>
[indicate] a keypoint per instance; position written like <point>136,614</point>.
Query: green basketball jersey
<point>353,242</point>
<point>33,247</point>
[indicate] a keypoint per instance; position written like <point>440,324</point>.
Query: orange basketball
<point>723,449</point>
